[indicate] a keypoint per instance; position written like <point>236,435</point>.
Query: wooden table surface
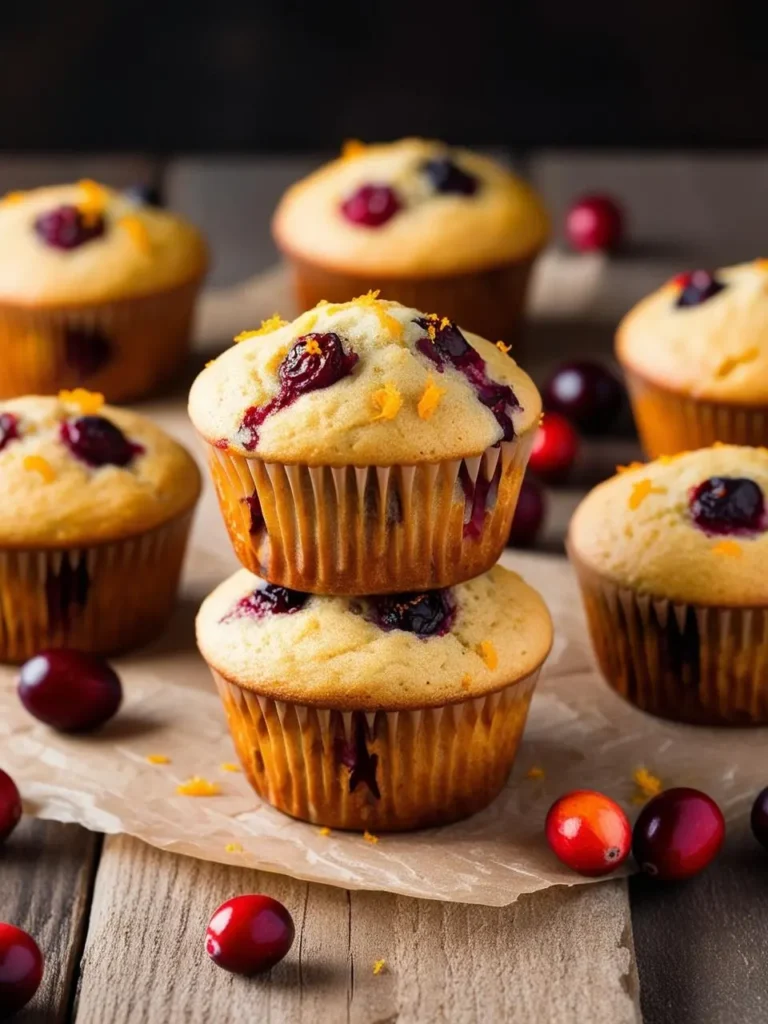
<point>122,924</point>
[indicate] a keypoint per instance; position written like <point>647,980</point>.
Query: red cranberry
<point>727,504</point>
<point>304,369</point>
<point>554,448</point>
<point>677,834</point>
<point>21,969</point>
<point>254,510</point>
<point>759,818</point>
<point>371,206</point>
<point>69,690</point>
<point>9,428</point>
<point>10,805</point>
<point>696,287</point>
<point>529,514</point>
<point>86,351</point>
<point>589,832</point>
<point>479,496</point>
<point>426,614</point>
<point>585,393</point>
<point>249,934</point>
<point>97,441</point>
<point>67,228</point>
<point>594,222</point>
<point>355,755</point>
<point>446,176</point>
<point>270,599</point>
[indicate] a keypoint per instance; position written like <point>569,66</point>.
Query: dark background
<point>167,77</point>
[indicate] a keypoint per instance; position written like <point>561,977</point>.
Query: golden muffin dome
<point>367,382</point>
<point>704,335</point>
<point>75,472</point>
<point>85,243</point>
<point>445,210</point>
<point>363,653</point>
<point>691,528</point>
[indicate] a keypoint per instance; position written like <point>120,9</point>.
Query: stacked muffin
<point>367,459</point>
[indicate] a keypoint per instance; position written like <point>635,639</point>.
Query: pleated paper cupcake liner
<point>103,599</point>
<point>124,349</point>
<point>690,663</point>
<point>371,529</point>
<point>669,423</point>
<point>382,770</point>
<point>488,302</point>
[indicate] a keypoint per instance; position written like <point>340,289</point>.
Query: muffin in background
<point>431,226</point>
<point>672,559</point>
<point>97,289</point>
<point>695,355</point>
<point>97,506</point>
<point>366,447</point>
<point>382,713</point>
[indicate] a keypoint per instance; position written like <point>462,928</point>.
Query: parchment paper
<point>579,733</point>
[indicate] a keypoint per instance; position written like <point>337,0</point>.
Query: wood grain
<point>565,955</point>
<point>46,873</point>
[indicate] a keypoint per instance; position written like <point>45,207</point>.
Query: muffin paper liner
<point>689,663</point>
<point>669,423</point>
<point>489,302</point>
<point>125,349</point>
<point>382,770</point>
<point>103,599</point>
<point>370,529</point>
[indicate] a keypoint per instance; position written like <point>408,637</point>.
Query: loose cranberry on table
<point>588,832</point>
<point>759,818</point>
<point>529,514</point>
<point>594,223</point>
<point>21,969</point>
<point>371,206</point>
<point>10,805</point>
<point>678,833</point>
<point>249,934</point>
<point>67,227</point>
<point>98,442</point>
<point>69,690</point>
<point>554,448</point>
<point>586,393</point>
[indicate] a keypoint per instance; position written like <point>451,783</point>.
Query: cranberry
<point>449,346</point>
<point>758,818</point>
<point>97,441</point>
<point>589,832</point>
<point>86,351</point>
<point>249,934</point>
<point>696,287</point>
<point>529,514</point>
<point>371,206</point>
<point>9,428</point>
<point>594,222</point>
<point>21,969</point>
<point>446,176</point>
<point>254,509</point>
<point>314,362</point>
<point>478,498</point>
<point>728,504</point>
<point>10,805</point>
<point>67,228</point>
<point>677,834</point>
<point>69,690</point>
<point>270,599</point>
<point>355,755</point>
<point>554,448</point>
<point>586,393</point>
<point>426,614</point>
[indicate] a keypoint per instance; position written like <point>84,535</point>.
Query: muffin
<point>387,712</point>
<point>431,226</point>
<point>97,505</point>
<point>365,448</point>
<point>695,354</point>
<point>672,558</point>
<point>96,289</point>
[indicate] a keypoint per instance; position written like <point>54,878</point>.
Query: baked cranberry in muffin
<point>726,504</point>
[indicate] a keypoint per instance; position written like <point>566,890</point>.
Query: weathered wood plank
<point>563,955</point>
<point>46,873</point>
